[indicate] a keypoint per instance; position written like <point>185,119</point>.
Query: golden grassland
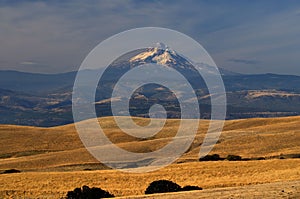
<point>203,174</point>
<point>286,189</point>
<point>52,160</point>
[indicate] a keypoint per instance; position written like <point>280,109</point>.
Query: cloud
<point>61,33</point>
<point>28,63</point>
<point>244,61</point>
<point>272,39</point>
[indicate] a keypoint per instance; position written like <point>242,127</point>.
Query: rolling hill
<point>53,160</point>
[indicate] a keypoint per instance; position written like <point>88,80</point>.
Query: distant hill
<point>45,99</point>
<point>35,82</point>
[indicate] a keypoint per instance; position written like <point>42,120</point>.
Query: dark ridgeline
<point>46,99</point>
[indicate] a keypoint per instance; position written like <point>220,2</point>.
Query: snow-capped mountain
<point>163,55</point>
<point>160,54</point>
<point>24,97</point>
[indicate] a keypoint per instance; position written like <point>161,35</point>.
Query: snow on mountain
<point>164,58</point>
<point>163,55</point>
<point>160,54</point>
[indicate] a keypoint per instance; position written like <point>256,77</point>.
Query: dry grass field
<point>288,189</point>
<point>53,160</point>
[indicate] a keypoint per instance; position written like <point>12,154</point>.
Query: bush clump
<point>214,157</point>
<point>292,156</point>
<point>259,158</point>
<point>233,158</point>
<point>88,193</point>
<point>11,171</point>
<point>190,188</point>
<point>164,186</point>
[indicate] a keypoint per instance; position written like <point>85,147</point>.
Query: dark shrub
<point>292,156</point>
<point>11,171</point>
<point>76,193</point>
<point>190,188</point>
<point>88,193</point>
<point>214,157</point>
<point>296,156</point>
<point>162,186</point>
<point>246,159</point>
<point>234,158</point>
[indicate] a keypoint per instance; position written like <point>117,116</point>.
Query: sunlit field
<point>53,160</point>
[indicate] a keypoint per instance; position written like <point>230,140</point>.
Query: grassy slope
<point>34,148</point>
<point>59,149</point>
<point>204,174</point>
<point>288,189</point>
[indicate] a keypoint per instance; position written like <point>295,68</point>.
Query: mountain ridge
<point>46,99</point>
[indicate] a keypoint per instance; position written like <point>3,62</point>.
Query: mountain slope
<point>35,82</point>
<point>45,99</point>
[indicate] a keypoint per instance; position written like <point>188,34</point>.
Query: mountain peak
<point>161,45</point>
<point>160,54</point>
<point>164,55</point>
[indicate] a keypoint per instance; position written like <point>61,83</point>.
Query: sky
<point>240,35</point>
